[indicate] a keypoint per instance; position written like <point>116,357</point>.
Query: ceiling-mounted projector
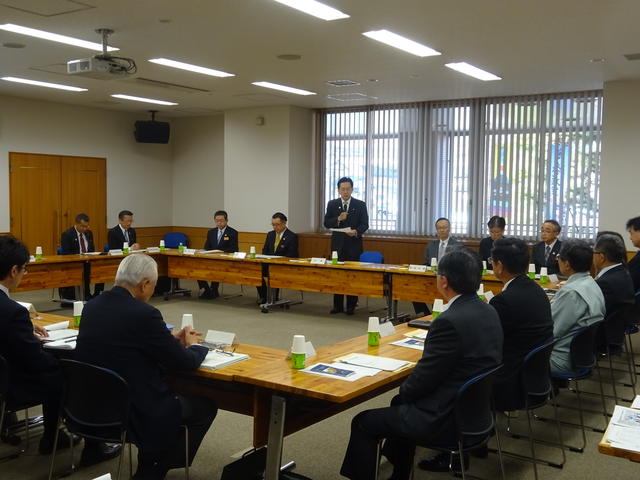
<point>104,66</point>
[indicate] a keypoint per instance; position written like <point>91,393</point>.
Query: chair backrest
<point>105,247</point>
<point>535,374</point>
<point>174,239</point>
<point>615,324</point>
<point>582,348</point>
<point>372,257</point>
<point>473,407</point>
<point>93,396</point>
<point>59,251</point>
<point>4,379</point>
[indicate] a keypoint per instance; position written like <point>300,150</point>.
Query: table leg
<point>276,435</point>
<point>86,280</point>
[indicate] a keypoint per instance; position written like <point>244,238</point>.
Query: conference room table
<point>283,400</point>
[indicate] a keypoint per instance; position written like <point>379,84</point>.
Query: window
<point>524,158</point>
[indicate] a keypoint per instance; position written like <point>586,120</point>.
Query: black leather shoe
<point>214,294</point>
<point>46,444</point>
<point>349,312</point>
<point>98,453</point>
<point>206,295</point>
<point>440,463</point>
<point>334,311</point>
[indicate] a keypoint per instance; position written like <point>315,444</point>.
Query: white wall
<point>302,187</point>
<point>198,169</point>
<point>138,175</point>
<point>620,167</point>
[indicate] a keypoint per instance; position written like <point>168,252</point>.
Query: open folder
<point>217,359</point>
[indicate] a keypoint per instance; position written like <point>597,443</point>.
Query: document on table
<point>343,230</point>
<point>410,343</point>
<point>209,251</point>
<point>636,402</point>
<point>418,333</point>
<point>342,371</point>
<point>260,255</point>
<point>60,335</point>
<point>217,359</point>
<point>626,417</point>
<point>624,429</point>
<point>373,361</point>
<point>57,326</point>
<point>65,344</point>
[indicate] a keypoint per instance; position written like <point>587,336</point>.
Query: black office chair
<point>6,408</point>
<point>474,420</point>
<point>536,389</point>
<point>584,362</point>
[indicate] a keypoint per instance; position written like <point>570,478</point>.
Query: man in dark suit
<point>34,374</point>
<point>617,288</point>
<point>436,249</point>
<point>123,333</point>
<point>633,227</point>
<point>463,341</point>
<point>525,314</point>
<point>123,232</point>
<point>346,212</point>
<point>223,238</point>
<point>545,253</point>
<point>77,240</point>
<point>280,241</point>
<point>496,227</point>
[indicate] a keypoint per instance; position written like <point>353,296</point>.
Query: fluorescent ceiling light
<point>44,84</point>
<point>475,72</point>
<point>403,43</point>
<point>317,9</point>
<point>142,99</point>
<point>192,68</point>
<point>283,88</point>
<point>54,37</point>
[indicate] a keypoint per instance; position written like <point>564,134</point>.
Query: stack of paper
<point>414,343</point>
<point>418,333</point>
<point>59,331</point>
<point>342,371</point>
<point>624,429</point>
<point>373,361</point>
<point>217,359</point>
<point>66,344</point>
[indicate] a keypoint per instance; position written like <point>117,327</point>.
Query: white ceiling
<point>537,46</point>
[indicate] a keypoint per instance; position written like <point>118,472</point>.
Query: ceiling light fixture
<point>317,9</point>
<point>475,72</point>
<point>44,84</point>
<point>191,68</point>
<point>402,43</point>
<point>283,88</point>
<point>142,99</point>
<point>54,37</point>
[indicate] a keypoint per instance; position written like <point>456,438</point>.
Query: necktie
<point>441,249</point>
<point>83,245</point>
<point>547,252</point>
<point>275,246</point>
<point>219,235</point>
<point>126,236</point>
<point>344,206</point>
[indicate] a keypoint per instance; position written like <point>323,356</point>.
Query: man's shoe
<point>97,453</point>
<point>334,311</point>
<point>440,463</point>
<point>214,294</point>
<point>349,312</point>
<point>206,295</point>
<point>46,444</point>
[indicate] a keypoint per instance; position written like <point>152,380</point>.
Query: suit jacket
<point>115,238</point>
<point>228,242</point>
<point>33,372</point>
<point>634,271</point>
<point>348,248</point>
<point>525,314</point>
<point>432,249</point>
<point>130,337</point>
<point>537,257</point>
<point>463,341</point>
<point>70,245</point>
<point>486,244</point>
<point>288,246</point>
<point>617,289</point>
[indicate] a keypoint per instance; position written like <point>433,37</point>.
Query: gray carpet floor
<point>318,450</point>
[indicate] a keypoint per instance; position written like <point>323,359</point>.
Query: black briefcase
<point>249,467</point>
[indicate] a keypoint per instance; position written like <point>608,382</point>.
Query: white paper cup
<point>484,264</point>
<point>374,325</point>
<point>543,271</point>
<point>162,243</point>
<point>438,305</point>
<point>434,262</point>
<point>334,254</point>
<point>38,250</point>
<point>298,344</point>
<point>481,289</point>
<point>252,249</point>
<point>187,319</point>
<point>77,308</point>
<point>125,245</point>
<point>532,268</point>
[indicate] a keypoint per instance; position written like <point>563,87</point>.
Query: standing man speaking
<point>349,213</point>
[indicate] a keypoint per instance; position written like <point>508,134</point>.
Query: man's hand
<point>41,331</point>
<point>187,336</point>
<point>342,217</point>
<point>135,246</point>
<point>352,233</point>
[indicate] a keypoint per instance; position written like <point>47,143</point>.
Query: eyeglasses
<point>222,348</point>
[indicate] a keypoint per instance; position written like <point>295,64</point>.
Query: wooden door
<point>83,181</point>
<point>35,200</point>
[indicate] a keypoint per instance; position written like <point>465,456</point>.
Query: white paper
<point>260,255</point>
<point>209,251</point>
<point>417,333</point>
<point>92,253</point>
<point>553,278</point>
<point>343,230</point>
<point>488,295</point>
<point>318,260</point>
<point>414,343</point>
<point>239,254</point>
<point>624,437</point>
<point>153,250</point>
<point>626,417</point>
<point>60,334</point>
<point>636,402</point>
<point>417,268</point>
<point>223,339</point>
<point>115,252</point>
<point>386,329</point>
<point>106,476</point>
<point>67,344</point>
<point>358,372</point>
<point>216,359</point>
<point>189,251</point>
<point>57,326</point>
<point>372,361</point>
<point>29,306</point>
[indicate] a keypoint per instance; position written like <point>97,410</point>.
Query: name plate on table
<point>488,295</point>
<point>153,250</point>
<point>386,329</point>
<point>116,252</point>
<point>318,261</point>
<point>553,278</point>
<point>239,254</point>
<point>417,268</point>
<point>189,251</point>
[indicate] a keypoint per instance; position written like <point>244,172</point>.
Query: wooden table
<point>103,268</point>
<point>214,267</point>
<point>54,271</point>
<point>608,449</point>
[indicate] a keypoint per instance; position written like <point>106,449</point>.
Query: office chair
<point>372,257</point>
<point>474,420</point>
<point>173,240</point>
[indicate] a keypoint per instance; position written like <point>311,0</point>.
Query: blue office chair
<point>372,257</point>
<point>173,240</point>
<point>105,247</point>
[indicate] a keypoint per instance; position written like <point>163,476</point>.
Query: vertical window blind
<point>525,158</point>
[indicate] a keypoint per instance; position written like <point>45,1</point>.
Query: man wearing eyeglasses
<point>545,253</point>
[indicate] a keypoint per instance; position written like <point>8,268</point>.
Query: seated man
<point>123,232</point>
<point>464,341</point>
<point>525,315</point>
<point>545,253</point>
<point>579,303</point>
<point>76,240</point>
<point>34,374</point>
<point>633,227</point>
<point>436,249</point>
<point>280,241</point>
<point>617,288</point>
<point>224,238</point>
<point>123,333</point>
